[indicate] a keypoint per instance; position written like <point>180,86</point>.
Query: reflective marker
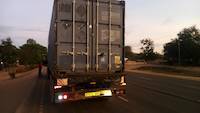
<point>57,87</point>
<point>107,92</point>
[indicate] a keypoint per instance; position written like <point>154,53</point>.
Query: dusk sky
<point>159,20</point>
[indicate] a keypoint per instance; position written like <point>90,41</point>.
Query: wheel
<point>52,96</point>
<point>51,91</point>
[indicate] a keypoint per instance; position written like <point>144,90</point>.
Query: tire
<point>52,96</point>
<point>51,91</point>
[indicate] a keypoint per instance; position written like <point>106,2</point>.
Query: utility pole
<point>179,52</point>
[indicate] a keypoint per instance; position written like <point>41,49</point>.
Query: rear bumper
<point>82,95</point>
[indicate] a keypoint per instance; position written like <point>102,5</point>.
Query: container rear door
<point>73,38</point>
<point>109,39</point>
<point>89,36</point>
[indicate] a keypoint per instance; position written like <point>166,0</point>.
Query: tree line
<point>183,50</point>
<point>30,53</point>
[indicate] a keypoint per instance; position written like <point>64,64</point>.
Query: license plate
<point>92,94</point>
<point>99,93</point>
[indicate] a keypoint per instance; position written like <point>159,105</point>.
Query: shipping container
<point>86,43</point>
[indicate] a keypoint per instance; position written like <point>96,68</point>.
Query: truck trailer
<point>86,49</point>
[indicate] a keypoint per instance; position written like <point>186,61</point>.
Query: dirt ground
<point>133,65</point>
<point>167,69</point>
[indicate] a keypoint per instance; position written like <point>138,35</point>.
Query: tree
<point>31,53</point>
<point>8,51</point>
<point>6,42</point>
<point>147,49</point>
<point>31,41</point>
<point>171,51</point>
<point>128,52</point>
<point>1,54</point>
<point>185,48</point>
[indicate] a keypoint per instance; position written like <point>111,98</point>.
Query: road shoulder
<point>166,75</point>
<point>5,76</point>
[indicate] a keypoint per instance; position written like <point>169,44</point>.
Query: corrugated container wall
<point>87,36</point>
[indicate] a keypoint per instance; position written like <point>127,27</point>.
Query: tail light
<point>62,96</point>
<point>65,96</point>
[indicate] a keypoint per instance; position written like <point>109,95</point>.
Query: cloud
<point>167,21</point>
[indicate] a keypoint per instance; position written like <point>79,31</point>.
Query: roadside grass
<point>169,70</point>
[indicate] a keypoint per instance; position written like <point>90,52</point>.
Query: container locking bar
<point>97,36</point>
<point>110,44</point>
<point>88,33</point>
<point>73,34</point>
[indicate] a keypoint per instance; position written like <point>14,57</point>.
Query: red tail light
<point>65,96</point>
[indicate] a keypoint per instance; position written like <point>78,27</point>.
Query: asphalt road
<point>145,94</point>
